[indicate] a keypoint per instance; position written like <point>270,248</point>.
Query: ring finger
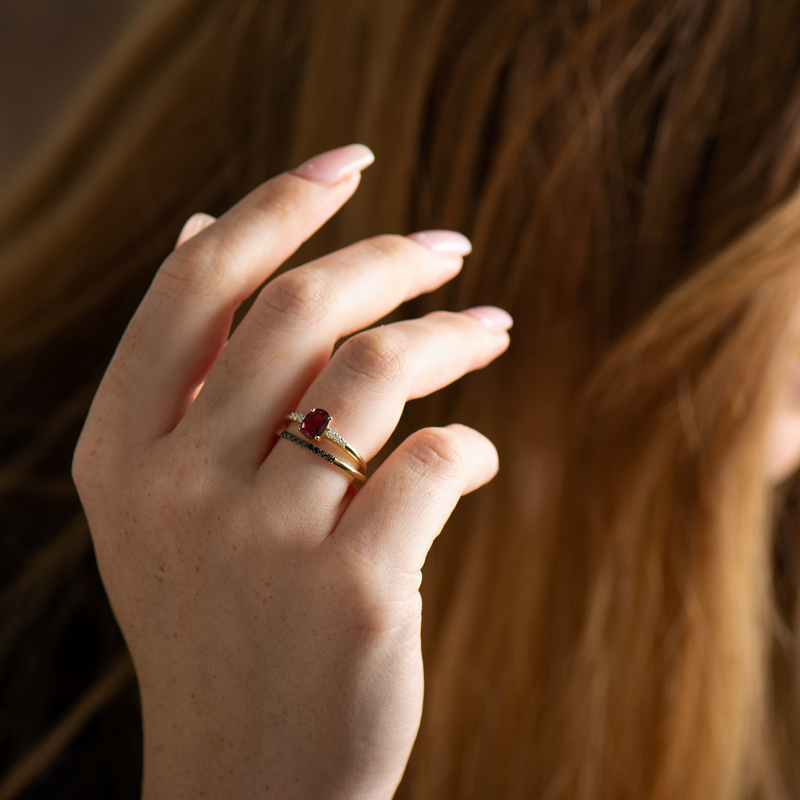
<point>365,386</point>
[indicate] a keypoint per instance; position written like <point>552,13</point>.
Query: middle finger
<point>288,335</point>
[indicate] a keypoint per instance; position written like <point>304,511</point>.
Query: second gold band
<point>350,471</point>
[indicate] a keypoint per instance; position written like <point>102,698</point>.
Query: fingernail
<point>446,243</point>
<point>336,164</point>
<point>193,226</point>
<point>492,317</point>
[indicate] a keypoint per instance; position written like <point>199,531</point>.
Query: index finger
<point>184,319</point>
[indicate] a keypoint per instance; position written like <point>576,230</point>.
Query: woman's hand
<point>272,612</point>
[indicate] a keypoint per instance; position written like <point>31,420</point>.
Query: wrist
<point>219,755</point>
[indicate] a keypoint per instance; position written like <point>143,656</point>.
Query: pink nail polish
<point>446,243</point>
<point>336,164</point>
<point>495,318</point>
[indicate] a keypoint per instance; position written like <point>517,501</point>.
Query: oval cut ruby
<point>315,423</point>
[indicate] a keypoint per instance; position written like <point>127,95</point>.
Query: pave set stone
<point>334,437</point>
<point>308,446</point>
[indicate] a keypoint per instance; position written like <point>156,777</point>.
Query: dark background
<point>47,47</point>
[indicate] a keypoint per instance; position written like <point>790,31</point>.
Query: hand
<point>271,610</point>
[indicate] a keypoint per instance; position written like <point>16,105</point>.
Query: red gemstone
<point>315,423</point>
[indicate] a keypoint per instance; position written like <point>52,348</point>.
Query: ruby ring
<point>315,427</point>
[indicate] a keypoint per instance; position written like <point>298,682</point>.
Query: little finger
<point>392,522</point>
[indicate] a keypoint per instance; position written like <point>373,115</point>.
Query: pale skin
<point>783,446</point>
<point>272,612</point>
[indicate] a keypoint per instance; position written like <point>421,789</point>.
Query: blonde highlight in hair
<point>616,615</point>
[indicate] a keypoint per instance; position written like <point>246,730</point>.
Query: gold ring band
<point>320,430</point>
<point>351,472</point>
<point>315,426</point>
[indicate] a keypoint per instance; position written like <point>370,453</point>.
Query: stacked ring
<point>316,425</point>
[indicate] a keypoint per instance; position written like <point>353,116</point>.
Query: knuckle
<point>91,462</point>
<point>376,592</point>
<point>374,355</point>
<point>435,451</point>
<point>300,296</point>
<point>276,203</point>
<point>434,320</point>
<point>198,267</point>
<point>388,245</point>
<point>83,471</point>
<point>180,493</point>
<point>380,616</point>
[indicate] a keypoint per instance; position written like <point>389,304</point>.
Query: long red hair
<point>615,616</point>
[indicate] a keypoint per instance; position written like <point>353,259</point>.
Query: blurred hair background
<point>46,48</point>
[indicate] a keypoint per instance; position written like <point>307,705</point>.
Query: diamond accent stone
<point>334,437</point>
